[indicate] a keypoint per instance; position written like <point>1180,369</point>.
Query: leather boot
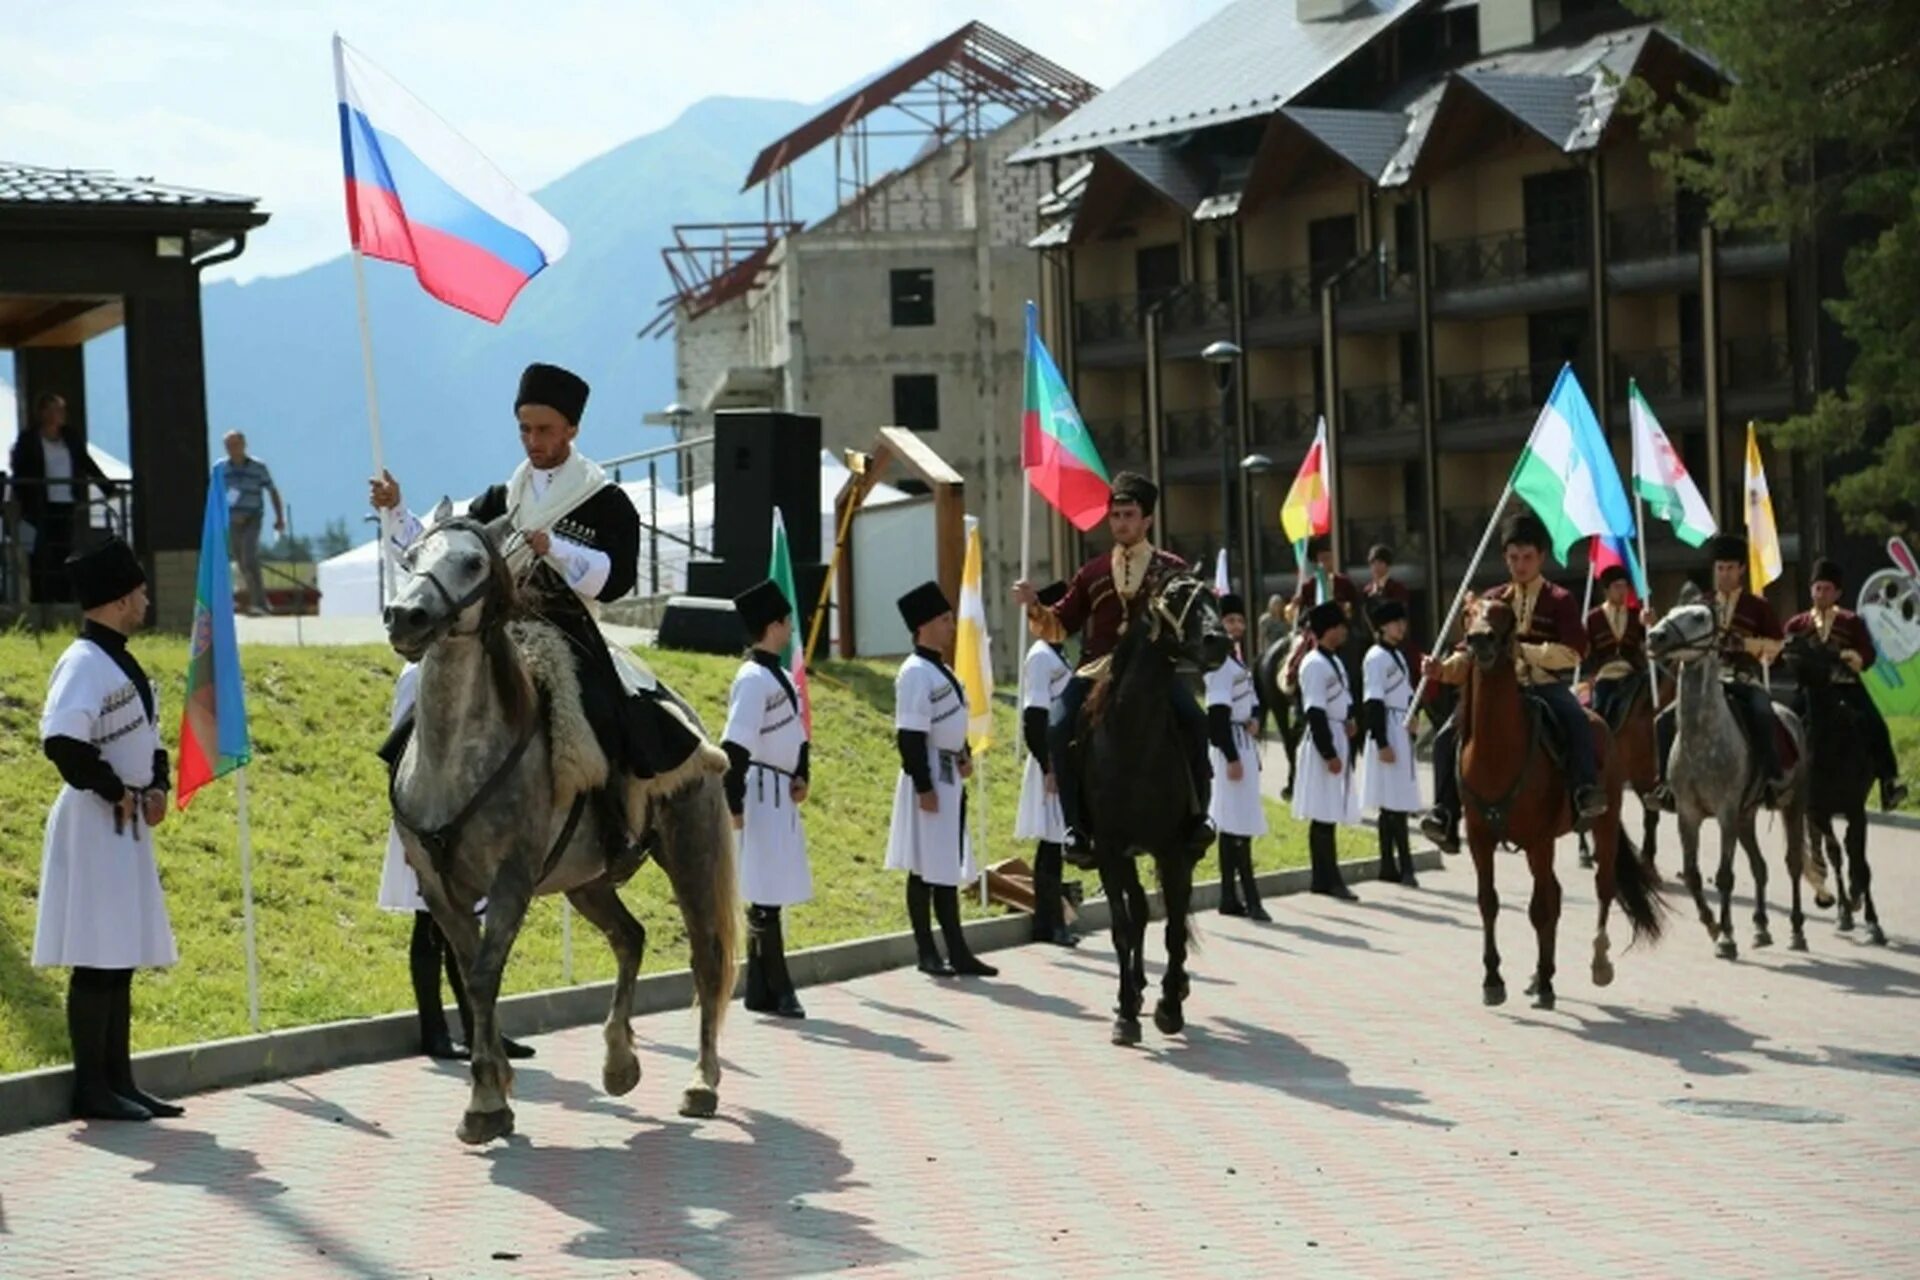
<point>509,1046</point>
<point>946,904</point>
<point>1230,904</point>
<point>774,956</point>
<point>89,1011</point>
<point>759,995</point>
<point>1326,863</point>
<point>1249,887</point>
<point>423,967</point>
<point>920,916</point>
<point>120,1054</point>
<point>1049,908</point>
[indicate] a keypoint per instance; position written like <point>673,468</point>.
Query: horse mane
<point>503,604</point>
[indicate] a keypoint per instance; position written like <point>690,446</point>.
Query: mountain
<point>283,354</point>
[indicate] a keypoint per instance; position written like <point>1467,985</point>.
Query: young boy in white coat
<point>1044,677</point>
<point>767,780</point>
<point>929,839</point>
<point>101,910</point>
<point>1237,811</point>
<point>1323,790</point>
<point>1389,782</point>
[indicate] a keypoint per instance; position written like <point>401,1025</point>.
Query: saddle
<point>1783,745</point>
<point>1626,692</point>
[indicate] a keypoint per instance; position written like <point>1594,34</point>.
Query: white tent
<point>350,582</point>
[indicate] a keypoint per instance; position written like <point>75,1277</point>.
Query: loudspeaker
<point>763,459</point>
<point>701,624</point>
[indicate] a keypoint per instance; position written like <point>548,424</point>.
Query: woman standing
<point>1323,793</point>
<point>767,780</point>
<point>1237,811</point>
<point>1044,677</point>
<point>1389,782</point>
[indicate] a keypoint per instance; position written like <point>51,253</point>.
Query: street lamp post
<point>1223,356</point>
<point>1255,465</point>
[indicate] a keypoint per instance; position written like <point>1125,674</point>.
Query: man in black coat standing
<point>51,475</point>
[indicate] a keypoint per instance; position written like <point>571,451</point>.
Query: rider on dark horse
<point>1845,633</point>
<point>1108,594</point>
<point>1616,642</point>
<point>585,533</point>
<point>1550,640</point>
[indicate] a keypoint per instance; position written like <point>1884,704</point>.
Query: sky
<point>238,96</point>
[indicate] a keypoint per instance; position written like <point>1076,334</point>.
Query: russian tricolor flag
<point>420,194</point>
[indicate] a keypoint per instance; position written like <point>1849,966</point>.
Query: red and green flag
<point>213,726</point>
<point>795,658</point>
<point>1056,449</point>
<point>1307,511</point>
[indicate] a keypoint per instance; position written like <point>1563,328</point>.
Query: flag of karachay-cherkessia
<point>1567,475</point>
<point>1763,536</point>
<point>973,646</point>
<point>1661,479</point>
<point>780,569</point>
<point>213,725</point>
<point>1056,450</point>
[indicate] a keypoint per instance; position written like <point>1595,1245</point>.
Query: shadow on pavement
<point>686,1053</point>
<point>1249,1054</point>
<point>1695,1040</point>
<point>314,1107</point>
<point>180,1157</point>
<point>1015,996</point>
<point>711,1202</point>
<point>1424,917</point>
<point>1309,933</point>
<point>1862,977</point>
<point>845,1035</point>
<point>903,1011</point>
<point>533,1084</point>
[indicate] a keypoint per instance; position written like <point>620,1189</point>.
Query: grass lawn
<point>319,831</point>
<point>1906,745</point>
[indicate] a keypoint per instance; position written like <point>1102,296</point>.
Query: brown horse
<point>1515,794</point>
<point>1639,752</point>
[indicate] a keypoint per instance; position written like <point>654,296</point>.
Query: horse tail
<point>1637,890</point>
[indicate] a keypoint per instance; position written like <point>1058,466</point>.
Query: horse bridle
<point>1498,810</point>
<point>496,564</point>
<point>1161,613</point>
<point>1689,646</point>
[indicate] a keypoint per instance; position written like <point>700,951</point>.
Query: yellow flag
<point>973,648</point>
<point>1763,540</point>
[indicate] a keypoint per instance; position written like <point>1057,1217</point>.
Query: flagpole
<point>980,851</point>
<point>246,904</point>
<point>1586,607</point>
<point>1460,596</point>
<point>1646,607</point>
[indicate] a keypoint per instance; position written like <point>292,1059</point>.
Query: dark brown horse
<point>1639,752</point>
<point>1514,793</point>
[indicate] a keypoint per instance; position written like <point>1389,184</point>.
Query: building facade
<point>1409,214</point>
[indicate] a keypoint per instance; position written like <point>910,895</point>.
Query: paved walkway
<point>1341,1105</point>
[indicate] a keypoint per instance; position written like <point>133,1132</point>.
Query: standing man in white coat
<point>1233,709</point>
<point>1389,781</point>
<point>1323,790</point>
<point>1044,678</point>
<point>929,839</point>
<point>767,779</point>
<point>102,913</point>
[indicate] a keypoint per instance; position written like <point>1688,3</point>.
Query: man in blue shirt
<point>248,482</point>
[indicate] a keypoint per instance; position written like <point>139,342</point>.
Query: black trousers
<point>1049,914</point>
<point>53,540</point>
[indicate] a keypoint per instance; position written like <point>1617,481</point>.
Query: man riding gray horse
<point>1109,593</point>
<point>585,533</point>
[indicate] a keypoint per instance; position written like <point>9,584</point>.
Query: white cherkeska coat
<point>1236,809</point>
<point>1393,787</point>
<point>1319,794</point>
<point>399,887</point>
<point>1039,816</point>
<point>764,719</point>
<point>101,905</point>
<point>936,846</point>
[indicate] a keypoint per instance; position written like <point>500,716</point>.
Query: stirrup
<point>1077,851</point>
<point>1663,799</point>
<point>1438,825</point>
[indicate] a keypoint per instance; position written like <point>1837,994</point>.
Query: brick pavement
<point>1341,1105</point>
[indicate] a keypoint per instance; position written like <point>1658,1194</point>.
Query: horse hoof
<point>1126,1031</point>
<point>1799,942</point>
<point>1603,973</point>
<point>1728,949</point>
<point>1823,900</point>
<point>1494,993</point>
<point>1876,935</point>
<point>619,1078</point>
<point>1544,998</point>
<point>1168,1018</point>
<point>480,1127</point>
<point>699,1102</point>
<point>1762,938</point>
<point>1533,985</point>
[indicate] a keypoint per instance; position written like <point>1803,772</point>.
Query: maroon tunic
<point>1848,630</point>
<point>1556,620</point>
<point>1308,595</point>
<point>1603,648</point>
<point>1095,609</point>
<point>1752,619</point>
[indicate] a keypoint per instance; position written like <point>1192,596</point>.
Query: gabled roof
<point>1184,180</point>
<point>1548,105</point>
<point>29,184</point>
<point>1367,140</point>
<point>1248,60</point>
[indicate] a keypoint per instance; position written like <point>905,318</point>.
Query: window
<point>912,295</point>
<point>1156,271</point>
<point>916,401</point>
<point>1331,244</point>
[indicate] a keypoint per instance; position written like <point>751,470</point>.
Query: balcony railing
<point>1121,441</point>
<point>1193,431</point>
<point>1461,528</point>
<point>1382,280</point>
<point>1659,371</point>
<point>1199,306</point>
<point>1117,317</point>
<point>1273,294</point>
<point>1499,393</point>
<point>1363,533</point>
<point>1283,423</point>
<point>1507,256</point>
<point>1759,363</point>
<point>1373,410</point>
<point>1656,231</point>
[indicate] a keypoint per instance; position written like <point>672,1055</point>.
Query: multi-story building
<point>1408,214</point>
<point>905,305</point>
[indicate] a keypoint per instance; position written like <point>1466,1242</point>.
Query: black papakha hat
<point>1231,602</point>
<point>1524,529</point>
<point>1380,551</point>
<point>1318,543</point>
<point>923,604</point>
<point>762,605</point>
<point>1131,486</point>
<point>1051,594</point>
<point>1611,574</point>
<point>1388,611</point>
<point>1825,570</point>
<point>560,390</point>
<point>1325,616</point>
<point>1728,546</point>
<point>104,572</point>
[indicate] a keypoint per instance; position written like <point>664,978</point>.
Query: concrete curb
<point>33,1098</point>
<point>1902,821</point>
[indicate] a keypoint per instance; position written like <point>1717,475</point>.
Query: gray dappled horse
<point>490,799</point>
<point>1713,774</point>
<point>1135,784</point>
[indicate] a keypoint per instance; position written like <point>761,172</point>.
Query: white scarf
<point>568,485</point>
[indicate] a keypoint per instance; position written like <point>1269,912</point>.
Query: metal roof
<point>1548,105</point>
<point>28,184</point>
<point>1367,140</point>
<point>1248,60</point>
<point>1185,180</point>
<point>999,69</point>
